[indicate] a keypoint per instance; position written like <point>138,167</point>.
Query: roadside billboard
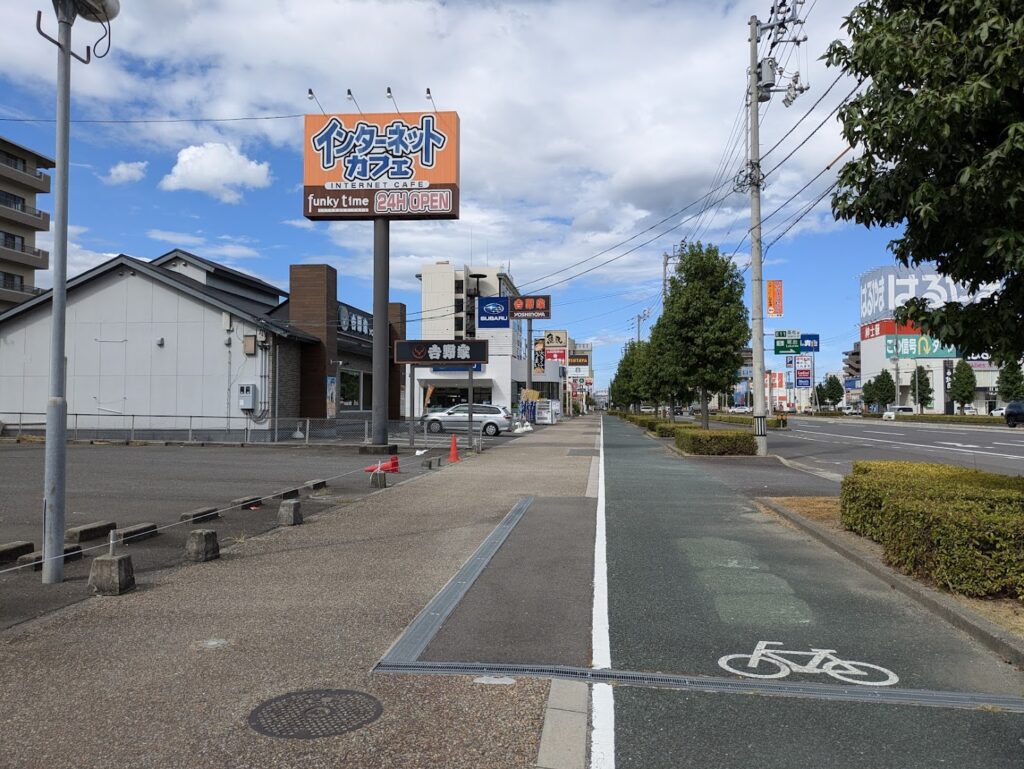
<point>883,289</point>
<point>810,343</point>
<point>914,346</point>
<point>423,351</point>
<point>555,353</point>
<point>381,166</point>
<point>531,307</point>
<point>556,338</point>
<point>492,312</point>
<point>579,359</point>
<point>538,356</point>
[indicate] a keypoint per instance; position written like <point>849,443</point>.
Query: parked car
<point>741,410</point>
<point>969,411</point>
<point>1014,413</point>
<point>999,412</point>
<point>493,419</point>
<point>891,412</point>
<point>851,411</point>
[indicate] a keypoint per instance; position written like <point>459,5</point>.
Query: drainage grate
<point>315,713</point>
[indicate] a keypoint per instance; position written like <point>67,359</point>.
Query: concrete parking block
<point>290,513</point>
<point>71,553</point>
<point>315,484</point>
<point>89,531</point>
<point>11,551</point>
<point>112,574</point>
<point>245,502</point>
<point>136,532</point>
<point>199,514</point>
<point>202,546</point>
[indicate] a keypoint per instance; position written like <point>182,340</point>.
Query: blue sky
<point>583,124</point>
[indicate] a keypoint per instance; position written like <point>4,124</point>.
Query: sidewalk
<point>167,676</point>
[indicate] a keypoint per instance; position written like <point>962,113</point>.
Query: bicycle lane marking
<point>602,742</point>
<point>782,662</point>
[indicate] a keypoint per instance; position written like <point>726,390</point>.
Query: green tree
<point>921,388</point>
<point>834,391</point>
<point>624,389</point>
<point>867,393</point>
<point>704,324</point>
<point>963,383</point>
<point>1010,382</point>
<point>939,131</point>
<point>885,389</point>
<point>662,372</point>
<point>820,396</point>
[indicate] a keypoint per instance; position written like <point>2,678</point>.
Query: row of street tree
<point>696,346</point>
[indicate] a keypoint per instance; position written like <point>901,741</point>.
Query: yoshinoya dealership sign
<point>884,289</point>
<point>386,166</point>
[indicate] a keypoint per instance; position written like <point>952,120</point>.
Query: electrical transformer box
<point>247,397</point>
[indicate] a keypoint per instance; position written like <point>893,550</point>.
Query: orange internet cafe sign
<point>381,166</point>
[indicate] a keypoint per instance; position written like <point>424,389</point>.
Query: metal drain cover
<point>315,713</point>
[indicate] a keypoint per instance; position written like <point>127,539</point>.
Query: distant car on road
<point>969,410</point>
<point>891,412</point>
<point>999,412</point>
<point>1014,413</point>
<point>851,411</point>
<point>741,410</point>
<point>494,419</point>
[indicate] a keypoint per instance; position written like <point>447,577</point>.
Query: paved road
<point>833,444</point>
<point>696,573</point>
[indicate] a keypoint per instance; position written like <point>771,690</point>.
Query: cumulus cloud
<point>302,224</point>
<point>126,173</point>
<point>217,169</point>
<point>179,239</point>
<point>80,258</point>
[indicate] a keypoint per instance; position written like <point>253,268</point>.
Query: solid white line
<point>882,432</point>
<point>1015,445</point>
<point>923,446</point>
<point>602,712</point>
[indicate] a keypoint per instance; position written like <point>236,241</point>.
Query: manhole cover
<point>315,713</point>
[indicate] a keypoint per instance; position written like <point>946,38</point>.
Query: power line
<point>803,117</point>
<point>806,211</point>
<point>134,121</point>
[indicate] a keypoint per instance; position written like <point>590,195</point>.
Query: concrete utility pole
<point>641,316</point>
<point>760,87</point>
<point>55,463</point>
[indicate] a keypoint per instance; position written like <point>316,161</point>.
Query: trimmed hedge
<point>717,442</point>
<point>962,528</point>
<point>772,423</point>
<point>669,429</point>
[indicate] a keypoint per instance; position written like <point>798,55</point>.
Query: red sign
<point>774,298</point>
<point>557,353</point>
<point>803,372</point>
<point>885,328</point>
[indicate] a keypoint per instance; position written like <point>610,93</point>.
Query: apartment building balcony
<point>27,256</point>
<point>14,292</point>
<point>25,215</point>
<point>12,171</point>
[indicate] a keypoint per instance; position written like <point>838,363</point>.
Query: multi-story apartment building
<point>21,179</point>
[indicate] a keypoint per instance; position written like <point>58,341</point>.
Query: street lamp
<point>101,11</point>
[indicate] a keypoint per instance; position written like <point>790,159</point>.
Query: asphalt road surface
<point>832,445</point>
<point>698,577</point>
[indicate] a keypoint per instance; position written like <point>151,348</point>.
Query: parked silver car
<point>493,419</point>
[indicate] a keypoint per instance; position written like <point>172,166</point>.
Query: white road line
<point>961,445</point>
<point>923,446</point>
<point>883,432</point>
<point>1015,445</point>
<point>602,712</point>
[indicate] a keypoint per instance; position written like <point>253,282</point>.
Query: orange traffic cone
<point>377,468</point>
<point>453,454</point>
<point>392,466</point>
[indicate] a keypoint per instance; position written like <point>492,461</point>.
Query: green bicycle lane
<point>696,573</point>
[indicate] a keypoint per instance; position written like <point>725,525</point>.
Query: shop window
<point>348,390</point>
<point>367,392</point>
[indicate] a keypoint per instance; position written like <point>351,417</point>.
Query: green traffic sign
<point>787,346</point>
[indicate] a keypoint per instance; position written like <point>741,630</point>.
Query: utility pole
<point>641,316</point>
<point>760,87</point>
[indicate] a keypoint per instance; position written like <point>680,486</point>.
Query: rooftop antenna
<point>351,98</point>
<point>312,97</point>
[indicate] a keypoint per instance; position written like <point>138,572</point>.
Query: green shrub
<point>669,429</point>
<point>961,527</point>
<point>717,442</point>
<point>772,423</point>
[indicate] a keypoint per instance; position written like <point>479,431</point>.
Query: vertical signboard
<point>492,312</point>
<point>538,356</point>
<point>774,298</point>
<point>381,166</point>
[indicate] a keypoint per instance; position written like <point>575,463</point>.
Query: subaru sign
<point>493,312</point>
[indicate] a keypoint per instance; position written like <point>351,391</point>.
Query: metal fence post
<point>132,434</point>
<point>307,431</point>
<point>190,429</point>
<point>19,423</point>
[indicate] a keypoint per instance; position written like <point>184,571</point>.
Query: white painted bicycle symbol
<point>779,663</point>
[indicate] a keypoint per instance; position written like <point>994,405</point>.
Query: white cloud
<point>231,251</point>
<point>125,173</point>
<point>219,170</point>
<point>302,224</point>
<point>80,258</point>
<point>179,239</point>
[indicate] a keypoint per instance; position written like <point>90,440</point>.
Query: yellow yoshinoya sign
<point>381,166</point>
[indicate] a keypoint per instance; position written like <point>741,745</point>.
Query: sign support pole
<point>411,385</point>
<point>381,335</point>
<point>529,350</point>
<point>469,432</point>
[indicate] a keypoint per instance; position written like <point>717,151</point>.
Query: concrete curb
<point>563,739</point>
<point>988,634</point>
